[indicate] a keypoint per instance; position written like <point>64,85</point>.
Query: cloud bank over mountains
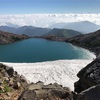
<point>45,20</point>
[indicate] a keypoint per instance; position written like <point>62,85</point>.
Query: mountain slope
<point>6,37</point>
<point>21,30</point>
<point>90,41</point>
<point>27,30</point>
<point>58,25</point>
<point>83,26</point>
<point>62,33</point>
<point>7,29</point>
<point>36,31</point>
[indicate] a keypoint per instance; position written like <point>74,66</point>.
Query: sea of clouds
<point>45,20</point>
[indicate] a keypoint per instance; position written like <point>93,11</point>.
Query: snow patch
<point>63,72</point>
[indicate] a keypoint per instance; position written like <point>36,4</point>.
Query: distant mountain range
<point>83,26</point>
<point>62,33</point>
<point>6,37</point>
<point>58,29</point>
<point>27,30</point>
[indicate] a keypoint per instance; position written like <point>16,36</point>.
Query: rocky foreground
<point>88,85</point>
<point>12,85</point>
<point>15,87</point>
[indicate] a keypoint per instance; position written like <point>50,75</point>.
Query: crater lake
<point>39,50</point>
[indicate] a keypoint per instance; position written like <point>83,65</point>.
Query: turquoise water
<point>39,50</point>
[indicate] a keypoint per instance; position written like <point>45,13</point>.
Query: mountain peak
<point>81,26</point>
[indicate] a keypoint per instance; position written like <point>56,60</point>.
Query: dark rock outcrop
<point>93,93</point>
<point>89,41</point>
<point>6,37</point>
<point>10,71</point>
<point>88,76</point>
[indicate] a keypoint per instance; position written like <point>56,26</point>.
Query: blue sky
<point>48,6</point>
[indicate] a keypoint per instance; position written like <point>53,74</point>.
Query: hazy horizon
<point>45,20</point>
<point>43,13</point>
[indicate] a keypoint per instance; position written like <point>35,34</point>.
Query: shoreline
<point>67,40</point>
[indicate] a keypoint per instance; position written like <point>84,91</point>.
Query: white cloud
<point>44,20</point>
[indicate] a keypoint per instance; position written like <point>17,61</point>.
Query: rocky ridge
<point>61,33</point>
<point>89,41</point>
<point>11,83</point>
<point>6,37</point>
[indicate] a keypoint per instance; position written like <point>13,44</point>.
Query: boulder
<point>17,85</point>
<point>46,92</point>
<point>2,66</point>
<point>34,87</point>
<point>1,81</point>
<point>92,93</point>
<point>6,74</point>
<point>10,71</point>
<point>61,94</point>
<point>27,95</point>
<point>6,79</point>
<point>88,76</point>
<point>22,78</point>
